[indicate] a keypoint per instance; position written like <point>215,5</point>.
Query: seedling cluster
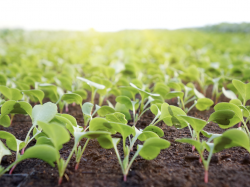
<point>169,92</point>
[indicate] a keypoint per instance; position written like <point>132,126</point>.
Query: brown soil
<point>176,166</point>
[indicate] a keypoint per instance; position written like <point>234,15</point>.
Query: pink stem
<point>239,124</point>
<point>74,104</point>
<point>200,160</point>
<point>11,119</point>
<point>77,166</point>
<point>206,176</point>
<point>12,169</point>
<point>23,149</point>
<point>124,178</point>
<point>193,148</point>
<point>60,181</point>
<point>66,108</point>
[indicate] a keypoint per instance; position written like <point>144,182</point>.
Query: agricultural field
<point>130,108</point>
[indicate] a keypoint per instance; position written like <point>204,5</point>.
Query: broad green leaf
<point>197,124</point>
<point>243,89</point>
<point>16,107</point>
<point>90,83</point>
<point>178,122</point>
<point>125,101</point>
<point>161,89</point>
<point>46,153</point>
<point>224,118</point>
<point>203,104</point>
<point>50,91</point>
<point>170,110</point>
<point>236,102</point>
<point>3,79</point>
<point>152,147</point>
<point>229,106</point>
<point>57,133</point>
<point>104,110</point>
<point>146,135</point>
<point>39,94</point>
<point>87,108</point>
<point>70,118</point>
<point>105,141</point>
<point>11,141</point>
<point>11,93</point>
<point>44,113</point>
<point>198,94</point>
<point>101,124</point>
<point>154,129</point>
<point>64,121</point>
<point>174,94</point>
<point>232,138</point>
<point>229,94</point>
<point>4,120</point>
<point>3,151</point>
<point>72,97</point>
<point>117,117</point>
<point>44,140</point>
<point>154,109</point>
<point>90,134</point>
<point>123,109</point>
<point>82,93</point>
<point>197,144</point>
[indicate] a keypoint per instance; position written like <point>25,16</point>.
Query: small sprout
<point>87,112</point>
<point>94,87</point>
<point>104,110</point>
<point>72,98</point>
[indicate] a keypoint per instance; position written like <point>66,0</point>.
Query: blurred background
<point>115,15</point>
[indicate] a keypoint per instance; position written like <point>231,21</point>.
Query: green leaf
<point>3,79</point>
<point>243,89</point>
<point>174,94</point>
<point>50,91</point>
<point>170,110</point>
<point>90,134</point>
<point>100,124</point>
<point>146,135</point>
<point>125,101</point>
<point>236,102</point>
<point>3,151</point>
<point>70,118</point>
<point>16,107</point>
<point>154,129</point>
<point>197,124</point>
<point>196,143</point>
<point>4,120</point>
<point>117,117</point>
<point>152,147</point>
<point>57,133</point>
<point>229,94</point>
<point>154,109</point>
<point>203,104</point>
<point>46,153</point>
<point>232,138</point>
<point>143,91</point>
<point>123,109</point>
<point>105,141</point>
<point>11,141</point>
<point>82,93</point>
<point>87,108</point>
<point>11,93</point>
<point>224,118</point>
<point>229,106</point>
<point>198,94</point>
<point>72,97</point>
<point>92,84</point>
<point>104,110</point>
<point>44,113</point>
<point>44,140</point>
<point>39,94</point>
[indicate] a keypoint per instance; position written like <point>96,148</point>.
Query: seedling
<point>87,113</point>
<point>94,87</point>
<point>117,123</point>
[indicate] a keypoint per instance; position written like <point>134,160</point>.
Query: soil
<point>176,166</point>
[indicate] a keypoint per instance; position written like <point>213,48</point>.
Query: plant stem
<point>11,118</point>
<point>206,176</point>
<point>125,178</point>
<point>83,149</point>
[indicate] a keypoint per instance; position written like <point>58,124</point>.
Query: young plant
<point>87,109</point>
<point>116,122</point>
<point>93,86</point>
<point>43,152</point>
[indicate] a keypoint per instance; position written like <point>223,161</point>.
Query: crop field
<point>131,108</point>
